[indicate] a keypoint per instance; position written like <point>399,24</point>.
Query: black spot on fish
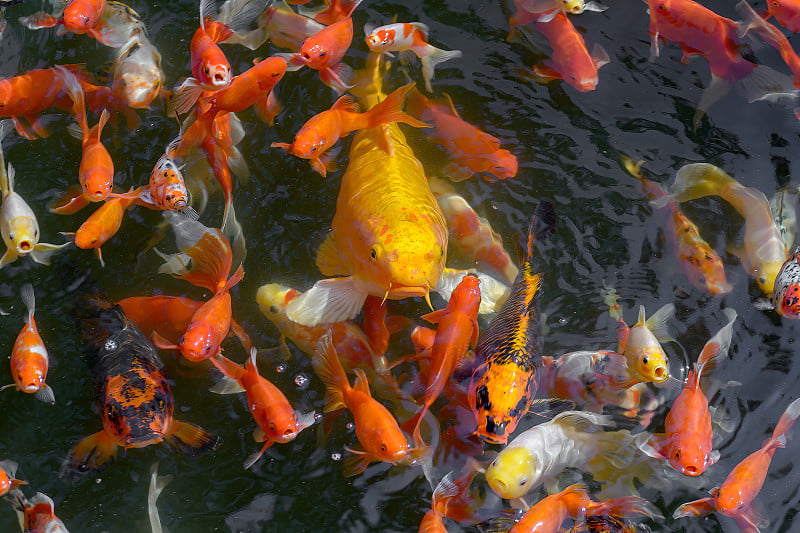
<point>482,398</point>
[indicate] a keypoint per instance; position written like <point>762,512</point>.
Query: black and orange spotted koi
<point>509,351</point>
<point>786,294</point>
<point>130,388</point>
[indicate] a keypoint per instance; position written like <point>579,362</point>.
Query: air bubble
<point>301,380</point>
<point>282,367</point>
<point>336,456</point>
<point>350,426</point>
<point>318,417</point>
<point>110,345</point>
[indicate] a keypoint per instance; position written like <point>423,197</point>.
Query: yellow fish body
<point>388,236</point>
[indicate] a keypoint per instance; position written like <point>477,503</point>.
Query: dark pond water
<point>568,145</point>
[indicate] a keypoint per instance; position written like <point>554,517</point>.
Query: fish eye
<point>206,71</point>
<point>523,481</point>
<point>373,253</point>
<point>161,404</point>
<point>677,454</point>
<point>383,447</point>
<point>276,74</point>
<point>273,308</point>
<point>11,236</point>
<point>322,54</point>
<point>644,361</point>
<point>762,279</point>
<point>441,251</point>
<point>272,426</point>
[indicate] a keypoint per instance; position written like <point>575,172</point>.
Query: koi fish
<point>157,484</point>
<point>734,498</point>
<point>772,35</point>
<point>472,150</point>
<point>700,263</point>
<point>102,225</point>
<point>79,17</point>
<point>324,51</point>
<point>786,12</point>
<point>687,442</point>
<point>36,515</point>
<point>323,130</point>
<point>573,439</point>
<point>18,224</point>
<point>29,360</point>
<point>509,352</point>
<point>388,236</point>
<point>376,429</point>
<point>409,37</point>
<point>786,294</point>
<point>277,421</point>
<point>471,235</point>
<point>130,388</point>
<point>763,252</point>
<point>8,469</point>
<point>571,60</point>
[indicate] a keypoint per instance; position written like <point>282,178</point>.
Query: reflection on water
<point>568,145</point>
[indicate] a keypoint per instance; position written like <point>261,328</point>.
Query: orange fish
<point>734,498</point>
<point>786,12</point>
<point>472,149</point>
<point>687,442</point>
<point>29,360</point>
<point>36,515</point>
<point>277,421</point>
<point>102,225</point>
<point>323,130</point>
<point>334,11</point>
<point>79,16</point>
<point>167,188</point>
<point>376,428</point>
<point>210,67</point>
<point>457,331</point>
<point>8,469</point>
<point>571,60</point>
<point>773,36</point>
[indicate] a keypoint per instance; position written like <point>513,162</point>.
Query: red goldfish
<point>29,360</point>
<point>772,36</point>
<point>409,37</point>
<point>79,16</point>
<point>36,515</point>
<point>786,12</point>
<point>457,331</point>
<point>277,421</point>
<point>734,498</point>
<point>571,60</point>
<point>8,469</point>
<point>687,442</point>
<point>376,428</point>
<point>334,11</point>
<point>210,67</point>
<point>323,130</point>
<point>472,149</point>
<point>102,225</point>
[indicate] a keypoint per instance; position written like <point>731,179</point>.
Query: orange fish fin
<point>190,439</point>
<point>268,108</point>
<point>211,261</point>
<point>328,367</point>
<point>161,343</point>
<point>337,77</point>
<point>700,507</point>
<point>654,446</point>
<point>329,260</point>
<point>473,340</point>
<point>320,167</point>
<point>390,110</point>
<point>361,383</point>
<point>241,334</point>
<point>250,461</point>
<point>39,20</point>
<point>450,105</point>
<point>435,316</point>
<point>70,202</point>
<point>89,456</point>
<point>357,463</point>
<point>544,73</point>
<point>346,103</point>
<point>228,367</point>
<point>397,323</point>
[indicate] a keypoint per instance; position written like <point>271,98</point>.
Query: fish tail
<point>697,180</point>
<point>432,56</point>
<point>211,262</point>
<point>73,88</point>
<point>190,439</point>
<point>330,370</point>
<point>617,510</point>
<point>416,103</point>
<point>29,299</point>
<point>716,348</point>
<point>784,424</point>
<point>389,110</point>
<point>543,224</point>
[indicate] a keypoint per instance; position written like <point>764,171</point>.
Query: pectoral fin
<point>89,456</point>
<point>329,260</point>
<point>43,251</point>
<point>329,300</point>
<point>190,439</point>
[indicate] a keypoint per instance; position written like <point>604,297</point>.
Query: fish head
<point>198,343</point>
<point>767,276</point>
<point>390,444</point>
<point>137,407</point>
<point>646,358</point>
<point>512,473</point>
<point>499,395</point>
<point>574,7</point>
<point>381,39</point>
<point>173,196</point>
<point>97,185</point>
<point>308,144</point>
<point>30,375</point>
<point>21,233</point>
<point>79,18</point>
<point>272,300</point>
<point>690,458</point>
<point>213,71</point>
<point>733,499</point>
<point>502,164</point>
<point>139,88</point>
<point>316,53</point>
<point>582,82</point>
<point>466,297</point>
<point>705,270</point>
<point>88,235</point>
<point>281,426</point>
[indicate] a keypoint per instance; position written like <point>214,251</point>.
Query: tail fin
<point>697,180</point>
<point>389,110</point>
<point>433,57</point>
<point>29,299</point>
<point>330,370</point>
<point>617,510</point>
<point>784,424</point>
<point>73,87</point>
<point>211,262</point>
<point>716,347</point>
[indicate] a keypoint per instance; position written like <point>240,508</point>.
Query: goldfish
<point>472,150</point>
<point>456,332</point>
<point>785,299</point>
<point>282,26</point>
<point>36,515</point>
<point>324,51</point>
<point>734,498</point>
<point>452,499</point>
<point>138,77</point>
<point>212,258</point>
<point>763,251</point>
<point>276,419</point>
<point>130,387</point>
<point>573,439</point>
<point>333,11</point>
<point>411,37</point>
<point>323,130</point>
<point>772,36</point>
<point>472,236</point>
<point>102,225</point>
<point>509,352</point>
<point>96,172</point>
<point>157,484</point>
<point>376,429</point>
<point>687,442</point>
<point>8,469</point>
<point>211,70</point>
<point>18,224</point>
<point>79,17</point>
<point>786,12</point>
<point>388,236</point>
<point>29,360</point>
<point>700,263</point>
<point>167,188</point>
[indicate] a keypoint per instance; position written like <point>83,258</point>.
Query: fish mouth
<point>398,291</point>
<point>24,247</point>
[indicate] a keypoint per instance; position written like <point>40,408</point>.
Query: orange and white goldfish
<point>472,236</point>
<point>786,12</point>
<point>277,421</point>
<point>452,499</point>
<point>687,442</point>
<point>763,252</point>
<point>36,515</point>
<point>167,188</point>
<point>102,225</point>
<point>18,224</point>
<point>409,37</point>
<point>388,238</point>
<point>509,352</point>
<point>571,60</point>
<point>472,149</point>
<point>29,360</point>
<point>573,439</point>
<point>700,263</point>
<point>8,469</point>
<point>376,427</point>
<point>324,129</point>
<point>734,498</point>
